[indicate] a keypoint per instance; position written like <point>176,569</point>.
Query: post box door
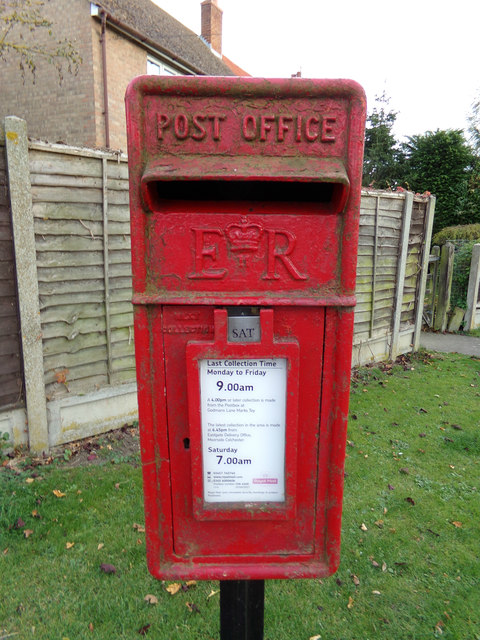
<point>294,534</point>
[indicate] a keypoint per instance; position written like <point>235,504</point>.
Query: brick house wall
<point>125,60</point>
<point>73,111</point>
<point>55,111</point>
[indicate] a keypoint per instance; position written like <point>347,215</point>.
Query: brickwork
<point>53,110</point>
<point>73,111</point>
<point>212,24</point>
<point>125,60</point>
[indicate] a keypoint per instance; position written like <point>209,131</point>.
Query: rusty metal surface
<point>244,192</point>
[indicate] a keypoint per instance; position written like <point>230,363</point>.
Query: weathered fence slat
<point>445,273</point>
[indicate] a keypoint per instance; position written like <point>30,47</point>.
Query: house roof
<point>157,28</point>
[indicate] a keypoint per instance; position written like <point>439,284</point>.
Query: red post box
<point>245,199</point>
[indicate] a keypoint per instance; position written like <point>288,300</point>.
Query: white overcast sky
<point>424,53</point>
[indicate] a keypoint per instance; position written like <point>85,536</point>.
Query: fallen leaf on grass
<point>100,546</point>
<point>91,627</point>
<point>315,638</point>
<point>363,527</point>
<point>350,603</point>
<point>404,470</point>
<point>139,527</point>
<point>108,568</point>
<point>410,501</point>
<point>457,524</point>
<point>173,588</point>
<point>59,494</point>
<point>356,580</point>
<point>391,487</point>
<point>35,514</point>
<point>384,567</point>
<point>192,607</point>
<point>438,627</point>
<point>151,599</point>
<point>30,480</point>
<point>27,533</point>
<point>213,593</point>
<point>379,523</point>
<point>144,630</point>
<point>376,593</point>
<point>19,524</point>
<point>69,545</point>
<point>189,584</point>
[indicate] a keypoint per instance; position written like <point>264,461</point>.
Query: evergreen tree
<point>442,162</point>
<point>382,158</point>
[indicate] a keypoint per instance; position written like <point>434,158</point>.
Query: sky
<point>422,53</point>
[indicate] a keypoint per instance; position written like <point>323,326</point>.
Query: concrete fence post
<point>473,289</point>
<point>445,273</point>
<point>26,266</point>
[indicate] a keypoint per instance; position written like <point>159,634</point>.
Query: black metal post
<point>241,609</point>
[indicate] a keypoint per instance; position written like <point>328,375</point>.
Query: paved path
<point>450,342</point>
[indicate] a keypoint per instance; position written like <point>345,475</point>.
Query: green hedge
<point>461,274</point>
<point>457,235</point>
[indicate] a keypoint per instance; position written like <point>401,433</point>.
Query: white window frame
<point>156,67</point>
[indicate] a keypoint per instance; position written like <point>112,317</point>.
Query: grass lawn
<point>72,548</point>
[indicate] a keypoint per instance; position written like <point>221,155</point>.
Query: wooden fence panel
<point>82,229</point>
<point>387,286</point>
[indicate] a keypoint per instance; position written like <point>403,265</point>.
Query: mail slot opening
<point>329,196</point>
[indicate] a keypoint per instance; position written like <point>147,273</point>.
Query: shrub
<point>457,235</point>
<point>461,273</point>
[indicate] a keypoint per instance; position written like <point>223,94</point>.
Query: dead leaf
<point>108,568</point>
<point>35,514</point>
<point>69,545</point>
<point>384,567</point>
<point>58,493</point>
<point>213,593</point>
<point>139,527</point>
<point>191,583</point>
<point>19,524</point>
<point>410,501</point>
<point>457,524</point>
<point>30,480</point>
<point>144,630</point>
<point>375,563</point>
<point>376,593</point>
<point>151,599</point>
<point>438,627</point>
<point>404,470</point>
<point>173,588</point>
<point>61,376</point>
<point>392,488</point>
<point>100,546</point>
<point>379,523</point>
<point>350,603</point>
<point>91,627</point>
<point>315,638</point>
<point>27,533</point>
<point>356,580</point>
<point>363,527</point>
<point>192,607</point>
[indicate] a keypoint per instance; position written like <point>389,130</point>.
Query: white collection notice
<point>243,404</point>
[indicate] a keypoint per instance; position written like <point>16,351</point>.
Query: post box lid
<point>211,167</point>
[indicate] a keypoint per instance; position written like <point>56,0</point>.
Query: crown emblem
<point>244,235</point>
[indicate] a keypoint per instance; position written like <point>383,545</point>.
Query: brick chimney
<point>212,24</point>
